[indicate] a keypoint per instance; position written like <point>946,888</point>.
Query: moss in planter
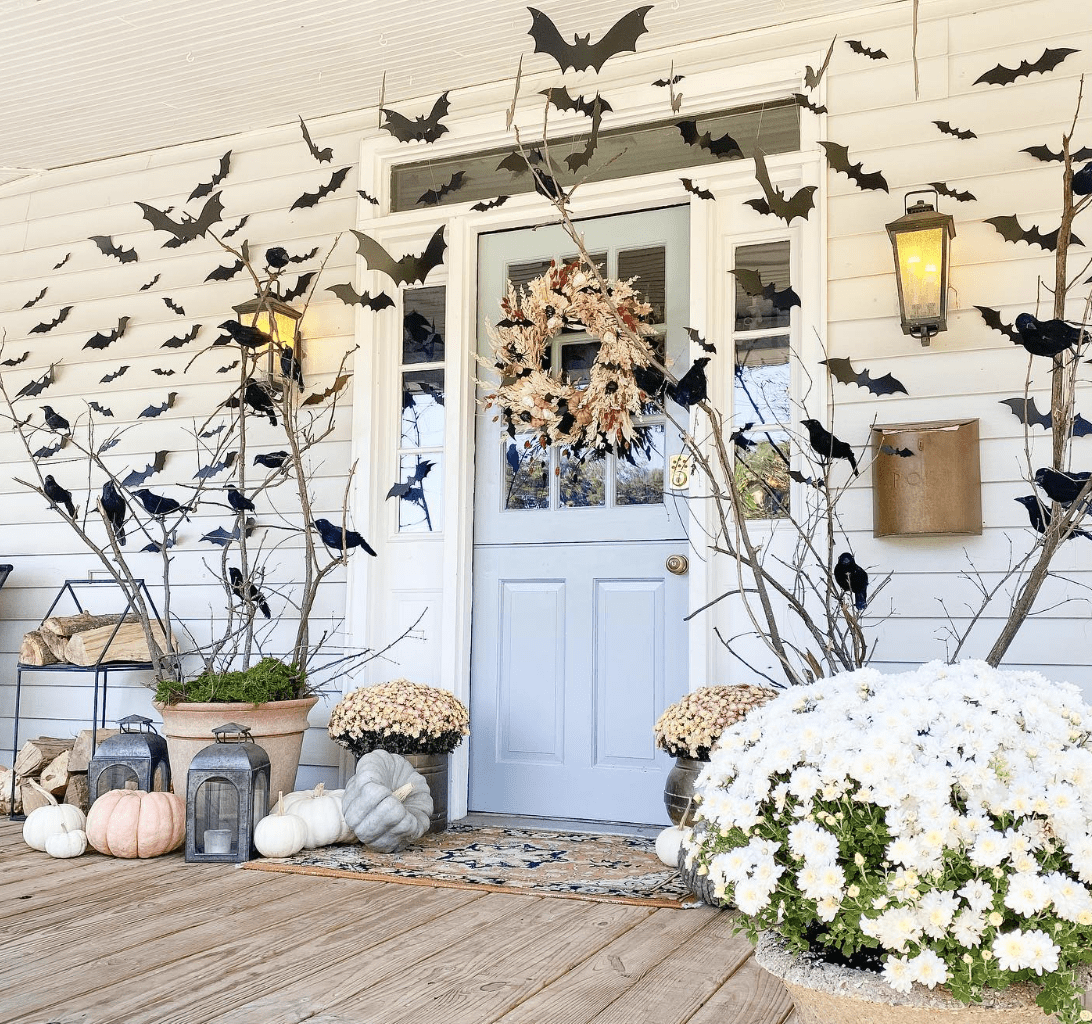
<point>268,680</point>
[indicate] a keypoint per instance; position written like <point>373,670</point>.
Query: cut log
<point>36,754</point>
<point>78,792</point>
<point>55,644</point>
<point>34,796</point>
<point>80,759</point>
<point>35,651</point>
<point>5,793</point>
<point>55,774</point>
<point>70,625</point>
<point>129,644</point>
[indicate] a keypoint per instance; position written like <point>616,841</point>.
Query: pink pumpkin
<point>131,823</point>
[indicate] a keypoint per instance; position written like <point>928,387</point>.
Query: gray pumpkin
<point>386,803</point>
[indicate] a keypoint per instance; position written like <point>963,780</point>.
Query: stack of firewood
<point>81,640</point>
<point>49,769</point>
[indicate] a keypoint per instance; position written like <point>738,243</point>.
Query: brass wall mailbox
<point>936,488</point>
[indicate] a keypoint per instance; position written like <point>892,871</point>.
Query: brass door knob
<point>677,564</point>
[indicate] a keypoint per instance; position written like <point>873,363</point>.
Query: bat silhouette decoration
<point>17,360</point>
<point>1047,155</point>
<point>721,148</point>
<point>560,99</point>
<point>182,339</point>
<point>953,193</point>
<point>238,227</point>
<point>798,477</point>
<point>337,179</point>
<point>838,158</point>
<point>107,248</point>
<point>581,158</point>
<point>804,101</point>
<point>159,372</point>
<point>188,228</point>
<point>957,133</point>
<point>303,257</point>
<point>155,547</point>
<point>1010,229</point>
<point>433,196</point>
<point>812,78</point>
<point>694,190</point>
<point>994,322</point>
<point>205,188</point>
<point>841,369</point>
<point>303,282</point>
<point>228,368</point>
<point>151,284</point>
<point>751,282</point>
<point>102,340</point>
<point>406,488</point>
<point>67,257</point>
<point>696,337</point>
<point>100,409</point>
<point>173,306</point>
<point>333,389</point>
<point>366,197</point>
<point>48,450</point>
<point>420,129</point>
<point>666,83</point>
<point>490,204</point>
<point>581,53</point>
<point>221,536</point>
<point>46,326</point>
<point>37,298</point>
<point>225,273</point>
<point>137,478</point>
<point>216,467</point>
<point>902,453</point>
<point>109,443</point>
<point>410,269</point>
<point>111,377</point>
<point>213,431</point>
<point>38,385</point>
<point>1001,75</point>
<point>1023,408</point>
<point>517,163</point>
<point>351,297</point>
<point>157,410</point>
<point>775,202</point>
<point>323,156</point>
<point>858,47</point>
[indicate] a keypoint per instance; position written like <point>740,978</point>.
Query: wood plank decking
<point>101,941</point>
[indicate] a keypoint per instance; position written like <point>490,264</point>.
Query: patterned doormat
<point>575,865</point>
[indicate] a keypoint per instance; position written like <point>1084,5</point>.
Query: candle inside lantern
<point>217,840</point>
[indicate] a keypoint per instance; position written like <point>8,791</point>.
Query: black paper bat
<point>304,256</point>
<point>46,452</point>
<point>182,339</point>
<point>225,273</point>
<point>221,536</point>
<point>993,320</point>
<point>155,547</point>
<point>958,133</point>
<point>409,269</point>
<point>582,157</point>
<point>801,100</point>
<point>517,163</point>
<point>751,282</point>
<point>351,297</point>
<point>858,47</point>
<point>367,198</point>
<point>120,371</point>
<point>1081,426</point>
<point>107,248</point>
<point>206,188</point>
<point>694,190</point>
<point>187,229</point>
<point>420,129</point>
<point>151,283</point>
<point>157,410</point>
<point>303,282</point>
<point>581,53</point>
<point>216,467</point>
<point>46,327</point>
<point>405,488</point>
<point>238,227</point>
<point>1010,230</point>
<point>213,431</point>
<point>841,370</point>
<point>37,298</point>
<point>812,78</point>
<point>38,385</point>
<point>17,360</point>
<point>333,389</point>
<point>228,368</point>
<point>1024,410</point>
<point>173,306</point>
<point>433,196</point>
<point>666,83</point>
<point>490,204</point>
<point>695,336</point>
<point>101,340</point>
<point>1001,75</point>
<point>337,179</point>
<point>775,203</point>
<point>952,193</point>
<point>838,158</point>
<point>100,409</point>
<point>902,453</point>
<point>559,98</point>
<point>159,372</point>
<point>725,146</point>
<point>795,474</point>
<point>141,477</point>
<point>1047,155</point>
<point>67,257</point>
<point>323,156</point>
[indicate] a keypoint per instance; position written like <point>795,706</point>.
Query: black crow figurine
<point>1041,519</point>
<point>253,593</point>
<point>1046,337</point>
<point>55,421</point>
<point>333,537</point>
<point>157,505</point>
<point>271,460</point>
<point>115,509</point>
<point>245,335</point>
<point>258,399</point>
<point>1059,486</point>
<point>58,495</point>
<point>852,579</point>
<point>239,501</point>
<point>1082,181</point>
<point>290,366</point>
<point>827,446</point>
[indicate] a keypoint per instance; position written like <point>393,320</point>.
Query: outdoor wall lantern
<point>227,794</point>
<point>920,242</point>
<point>136,758</point>
<point>282,323</point>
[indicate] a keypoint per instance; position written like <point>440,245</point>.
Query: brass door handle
<point>677,564</point>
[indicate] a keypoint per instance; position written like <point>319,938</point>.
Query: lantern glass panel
<point>920,259</point>
<point>216,807</point>
<point>117,776</point>
<point>260,800</point>
<point>160,777</point>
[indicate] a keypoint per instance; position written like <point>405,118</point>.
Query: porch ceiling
<point>82,80</point>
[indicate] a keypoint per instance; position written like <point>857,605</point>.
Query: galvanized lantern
<point>227,794</point>
<point>136,758</point>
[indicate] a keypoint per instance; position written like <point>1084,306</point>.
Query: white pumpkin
<point>280,834</point>
<point>668,844</point>
<point>322,815</point>
<point>66,844</point>
<point>44,822</point>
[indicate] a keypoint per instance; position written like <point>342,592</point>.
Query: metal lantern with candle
<point>920,241</point>
<point>227,794</point>
<point>280,321</point>
<point>135,758</point>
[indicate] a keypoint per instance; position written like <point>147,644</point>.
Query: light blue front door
<point>578,634</point>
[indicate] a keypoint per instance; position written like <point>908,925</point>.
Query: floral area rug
<point>576,865</point>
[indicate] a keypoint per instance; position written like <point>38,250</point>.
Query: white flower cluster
<point>944,814</point>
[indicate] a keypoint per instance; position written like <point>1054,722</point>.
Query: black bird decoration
<point>246,335</point>
<point>271,460</point>
<point>277,257</point>
<point>1082,181</point>
<point>239,501</point>
<point>1041,519</point>
<point>1059,486</point>
<point>852,579</point>
<point>114,509</point>
<point>692,386</point>
<point>258,399</point>
<point>1046,337</point>
<point>582,53</point>
<point>290,366</point>
<point>55,421</point>
<point>158,505</point>
<point>827,446</point>
<point>252,593</point>
<point>340,540</point>
<point>58,495</point>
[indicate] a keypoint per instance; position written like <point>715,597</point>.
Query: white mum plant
<point>934,825</point>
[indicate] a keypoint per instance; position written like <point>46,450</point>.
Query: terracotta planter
<point>679,788</point>
<point>277,727</point>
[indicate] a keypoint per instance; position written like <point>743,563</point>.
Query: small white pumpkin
<point>280,834</point>
<point>668,844</point>
<point>46,821</point>
<point>67,843</point>
<point>322,815</point>
<point>386,802</point>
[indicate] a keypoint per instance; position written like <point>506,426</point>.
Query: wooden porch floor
<point>102,941</point>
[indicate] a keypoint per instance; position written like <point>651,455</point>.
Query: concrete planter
<point>277,727</point>
<point>679,788</point>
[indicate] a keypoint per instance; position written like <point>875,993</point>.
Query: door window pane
<point>649,266</point>
<point>761,388</point>
<point>526,473</point>
<point>762,474</point>
<point>422,409</point>
<point>423,325</point>
<point>764,296</point>
<point>519,274</point>
<point>639,477</point>
<point>419,507</point>
<point>582,482</point>
<point>577,358</point>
